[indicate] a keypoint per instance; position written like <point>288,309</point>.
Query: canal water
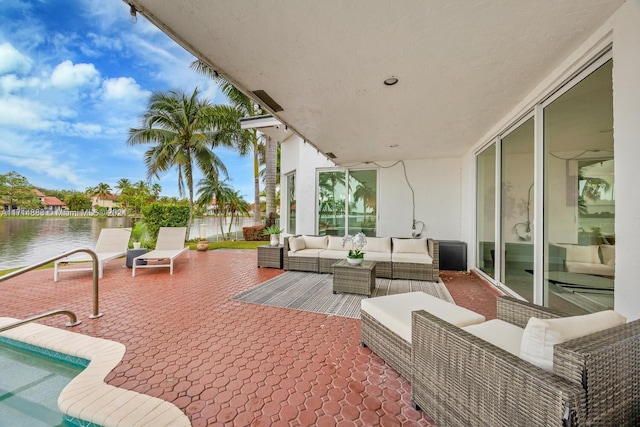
<point>26,241</point>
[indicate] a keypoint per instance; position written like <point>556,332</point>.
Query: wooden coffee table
<point>354,279</point>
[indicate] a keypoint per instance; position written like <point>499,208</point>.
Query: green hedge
<point>157,215</point>
<point>254,233</point>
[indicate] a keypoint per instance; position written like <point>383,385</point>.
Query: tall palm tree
<point>182,129</point>
<point>123,184</point>
<point>101,192</point>
<point>246,141</point>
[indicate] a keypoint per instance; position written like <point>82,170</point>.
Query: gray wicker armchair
<point>459,379</point>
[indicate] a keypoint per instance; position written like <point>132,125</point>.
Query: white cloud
<point>85,129</point>
<point>36,155</point>
<point>12,60</point>
<point>123,88</point>
<point>69,75</point>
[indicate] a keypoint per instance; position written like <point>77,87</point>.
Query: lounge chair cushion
<point>410,246</point>
<point>502,334</point>
<point>540,335</point>
<point>296,244</point>
<point>315,242</point>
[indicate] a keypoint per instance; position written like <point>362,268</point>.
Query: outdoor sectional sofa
<point>396,258</point>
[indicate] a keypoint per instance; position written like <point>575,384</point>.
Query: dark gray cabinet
<point>453,255</point>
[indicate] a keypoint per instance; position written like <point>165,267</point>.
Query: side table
<point>355,279</point>
<point>270,256</point>
<point>132,253</point>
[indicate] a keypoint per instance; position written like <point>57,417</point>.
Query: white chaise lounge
<point>169,246</point>
<point>112,243</point>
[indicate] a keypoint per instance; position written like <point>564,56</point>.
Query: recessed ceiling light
<point>390,81</point>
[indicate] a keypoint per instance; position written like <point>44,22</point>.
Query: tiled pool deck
<point>229,363</point>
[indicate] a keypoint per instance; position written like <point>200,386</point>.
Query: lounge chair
<point>112,243</point>
<point>169,246</point>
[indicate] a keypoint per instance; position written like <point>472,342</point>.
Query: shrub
<point>254,233</point>
<point>157,215</point>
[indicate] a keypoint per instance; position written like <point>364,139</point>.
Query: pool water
<point>30,384</point>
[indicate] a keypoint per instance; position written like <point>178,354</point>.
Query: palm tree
<point>210,188</point>
<point>101,192</point>
<point>123,184</point>
<point>236,206</point>
<point>156,189</point>
<point>245,140</point>
<point>182,129</point>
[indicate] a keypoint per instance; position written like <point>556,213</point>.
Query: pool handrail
<point>94,257</point>
<point>73,319</point>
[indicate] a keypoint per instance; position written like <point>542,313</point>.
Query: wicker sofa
<point>461,379</point>
<point>396,258</point>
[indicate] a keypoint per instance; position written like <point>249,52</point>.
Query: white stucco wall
<point>626,124</point>
<point>436,184</point>
<point>304,160</point>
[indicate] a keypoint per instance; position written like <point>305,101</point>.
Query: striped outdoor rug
<point>299,290</point>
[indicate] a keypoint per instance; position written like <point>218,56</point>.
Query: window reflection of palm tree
<point>328,181</point>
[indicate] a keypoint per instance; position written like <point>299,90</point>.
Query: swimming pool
<point>31,383</point>
<point>86,400</point>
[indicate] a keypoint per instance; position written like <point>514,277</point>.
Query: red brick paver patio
<point>229,363</point>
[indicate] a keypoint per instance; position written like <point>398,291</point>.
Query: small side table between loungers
<point>354,279</point>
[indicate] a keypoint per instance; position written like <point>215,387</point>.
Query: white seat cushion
<point>305,253</point>
<point>296,244</point>
<point>333,254</point>
<point>412,258</point>
<point>411,246</point>
<point>580,253</point>
<point>378,256</point>
<point>541,335</point>
<point>377,244</point>
<point>335,244</point>
<point>588,268</point>
<point>499,333</point>
<point>315,242</point>
<point>394,311</point>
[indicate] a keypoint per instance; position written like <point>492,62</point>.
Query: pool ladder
<point>73,320</point>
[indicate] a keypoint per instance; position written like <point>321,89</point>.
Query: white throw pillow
<point>540,335</point>
<point>578,253</point>
<point>335,244</point>
<point>296,244</point>
<point>410,246</point>
<point>315,242</point>
<point>377,244</point>
<point>608,255</point>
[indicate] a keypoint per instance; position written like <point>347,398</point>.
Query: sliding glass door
<point>347,202</point>
<point>565,149</point>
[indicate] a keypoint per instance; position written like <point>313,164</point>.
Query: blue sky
<point>75,75</point>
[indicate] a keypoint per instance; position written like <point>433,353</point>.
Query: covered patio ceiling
<point>461,65</point>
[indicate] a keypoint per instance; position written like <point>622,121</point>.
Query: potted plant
<point>355,256</point>
<point>139,234</point>
<point>274,234</point>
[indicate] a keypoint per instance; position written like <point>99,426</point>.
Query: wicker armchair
<point>459,379</point>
